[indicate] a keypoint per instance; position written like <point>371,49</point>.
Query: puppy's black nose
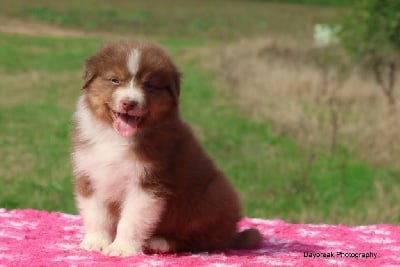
<point>128,105</point>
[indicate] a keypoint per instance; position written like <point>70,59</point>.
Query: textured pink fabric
<point>40,238</point>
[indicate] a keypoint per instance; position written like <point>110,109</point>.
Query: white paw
<point>158,244</point>
<point>95,242</point>
<point>122,249</point>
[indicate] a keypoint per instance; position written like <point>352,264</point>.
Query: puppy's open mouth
<point>125,124</point>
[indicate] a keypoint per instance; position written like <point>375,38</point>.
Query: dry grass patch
<point>33,28</point>
<point>306,98</point>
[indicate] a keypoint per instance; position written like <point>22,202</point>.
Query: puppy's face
<point>131,85</point>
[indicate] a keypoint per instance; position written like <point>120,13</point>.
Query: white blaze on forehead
<point>133,61</point>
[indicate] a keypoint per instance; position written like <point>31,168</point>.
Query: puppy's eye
<point>148,86</point>
<point>115,81</point>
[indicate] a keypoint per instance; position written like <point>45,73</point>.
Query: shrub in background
<point>371,33</point>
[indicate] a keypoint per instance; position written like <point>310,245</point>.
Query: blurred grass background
<point>283,168</point>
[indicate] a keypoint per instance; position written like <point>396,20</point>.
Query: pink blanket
<point>40,238</point>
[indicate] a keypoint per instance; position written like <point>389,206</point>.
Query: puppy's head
<point>131,85</point>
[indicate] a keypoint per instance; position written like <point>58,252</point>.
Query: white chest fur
<point>108,160</point>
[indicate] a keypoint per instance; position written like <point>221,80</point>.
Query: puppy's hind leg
<point>158,244</point>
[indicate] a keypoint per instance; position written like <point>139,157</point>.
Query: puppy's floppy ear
<point>89,72</point>
<point>175,88</point>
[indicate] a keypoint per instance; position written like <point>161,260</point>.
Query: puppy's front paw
<point>122,249</point>
<point>95,242</point>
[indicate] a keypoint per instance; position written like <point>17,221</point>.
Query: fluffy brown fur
<point>201,208</point>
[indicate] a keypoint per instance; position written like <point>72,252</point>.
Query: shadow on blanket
<point>274,246</point>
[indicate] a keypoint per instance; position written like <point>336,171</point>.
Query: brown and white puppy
<point>142,181</point>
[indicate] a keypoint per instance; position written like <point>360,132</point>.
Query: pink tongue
<point>126,125</point>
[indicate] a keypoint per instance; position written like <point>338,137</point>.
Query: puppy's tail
<point>247,239</point>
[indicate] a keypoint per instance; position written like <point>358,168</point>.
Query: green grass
<point>344,3</point>
<point>278,178</point>
<point>40,78</point>
<point>20,54</point>
<point>35,118</point>
<point>216,21</point>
